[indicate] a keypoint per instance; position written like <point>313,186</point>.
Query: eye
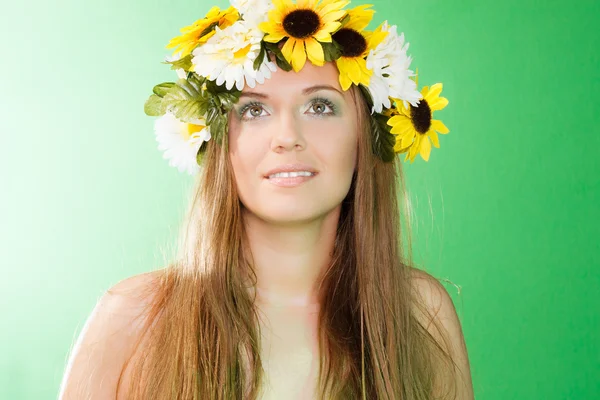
<point>320,107</point>
<point>252,111</point>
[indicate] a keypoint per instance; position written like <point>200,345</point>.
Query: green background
<point>506,209</point>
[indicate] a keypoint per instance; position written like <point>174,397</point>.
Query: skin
<point>291,231</point>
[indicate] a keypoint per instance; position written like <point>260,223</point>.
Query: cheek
<point>341,147</point>
<point>245,156</point>
<point>338,154</point>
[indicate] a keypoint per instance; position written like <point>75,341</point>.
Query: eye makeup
<point>244,108</point>
<point>247,106</point>
<point>327,102</point>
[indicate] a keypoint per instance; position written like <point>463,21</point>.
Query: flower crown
<point>219,54</point>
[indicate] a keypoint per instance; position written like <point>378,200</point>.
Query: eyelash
<point>314,101</point>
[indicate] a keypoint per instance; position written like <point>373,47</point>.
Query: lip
<point>291,168</point>
<point>290,181</point>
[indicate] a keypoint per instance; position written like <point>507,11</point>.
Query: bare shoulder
<point>440,307</point>
<point>135,291</point>
<point>107,339</point>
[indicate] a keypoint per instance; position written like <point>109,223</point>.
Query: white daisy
<point>391,76</point>
<point>180,141</point>
<point>180,71</point>
<point>229,55</point>
<point>253,10</point>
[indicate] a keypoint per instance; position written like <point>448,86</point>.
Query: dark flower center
<point>421,116</point>
<point>353,43</point>
<point>301,24</point>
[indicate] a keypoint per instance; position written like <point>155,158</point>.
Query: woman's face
<point>294,118</point>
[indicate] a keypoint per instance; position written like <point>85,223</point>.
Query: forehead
<point>286,83</point>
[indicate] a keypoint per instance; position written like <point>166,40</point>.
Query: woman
<point>291,281</point>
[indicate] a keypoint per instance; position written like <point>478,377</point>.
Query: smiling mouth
<point>290,181</point>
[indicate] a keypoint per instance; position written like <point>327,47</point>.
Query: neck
<point>289,258</point>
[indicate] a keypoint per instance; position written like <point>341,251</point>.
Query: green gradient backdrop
<point>507,208</point>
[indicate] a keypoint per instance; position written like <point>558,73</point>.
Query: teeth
<point>290,174</point>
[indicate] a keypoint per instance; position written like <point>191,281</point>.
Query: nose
<point>288,134</point>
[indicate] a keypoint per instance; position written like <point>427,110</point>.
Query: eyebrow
<point>306,91</point>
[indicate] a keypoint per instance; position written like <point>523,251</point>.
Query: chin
<point>288,214</point>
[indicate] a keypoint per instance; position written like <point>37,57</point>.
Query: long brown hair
<point>202,336</point>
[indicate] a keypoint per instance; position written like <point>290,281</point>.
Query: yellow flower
<point>356,45</point>
<point>202,30</point>
<point>414,126</point>
<point>305,24</point>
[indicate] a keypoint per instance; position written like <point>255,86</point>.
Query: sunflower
<point>415,127</point>
<point>356,45</point>
<point>304,24</point>
<point>202,30</point>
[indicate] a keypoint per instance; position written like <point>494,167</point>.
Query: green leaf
<point>217,101</point>
<point>208,29</point>
<point>184,99</point>
<point>279,58</point>
<point>211,115</point>
<point>343,22</point>
<point>162,89</point>
<point>221,97</point>
<point>198,80</point>
<point>225,141</point>
<point>283,64</point>
<point>185,63</point>
<point>272,47</point>
<point>367,95</point>
<point>260,58</point>
<point>383,140</point>
<point>197,97</point>
<point>332,51</point>
<point>203,108</point>
<point>200,154</point>
<point>214,89</point>
<point>218,127</point>
<point>153,106</point>
<point>228,100</point>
